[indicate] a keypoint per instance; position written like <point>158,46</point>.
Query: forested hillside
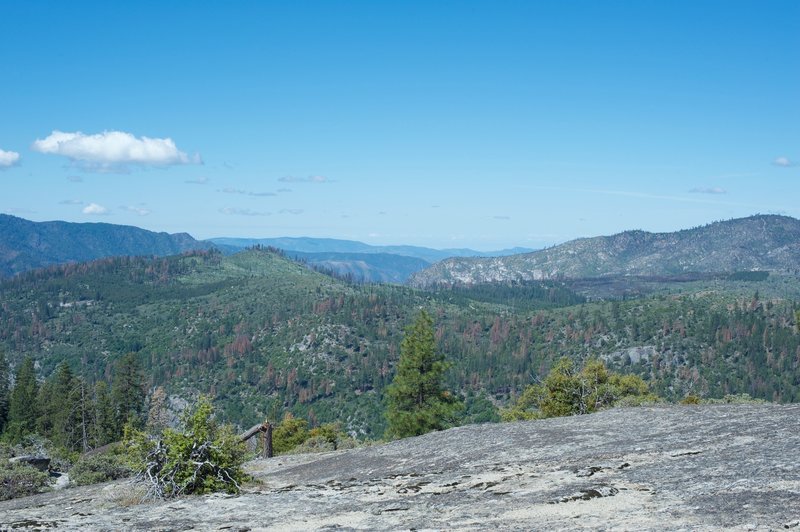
<point>26,245</point>
<point>263,334</point>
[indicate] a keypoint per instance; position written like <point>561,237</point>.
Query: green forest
<point>263,335</point>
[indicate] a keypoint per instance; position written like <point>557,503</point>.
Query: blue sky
<point>482,124</point>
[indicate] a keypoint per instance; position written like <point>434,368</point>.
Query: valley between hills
<point>264,334</point>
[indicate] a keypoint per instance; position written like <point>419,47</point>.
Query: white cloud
<point>70,202</point>
<point>233,211</point>
<point>113,150</point>
<point>75,179</point>
<point>94,208</point>
<point>291,211</point>
<point>8,159</point>
<point>198,181</point>
<point>141,211</point>
<point>708,190</point>
<point>230,190</point>
<point>309,179</point>
<point>500,217</point>
<point>784,162</point>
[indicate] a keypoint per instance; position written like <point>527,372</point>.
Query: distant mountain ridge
<point>334,245</point>
<point>362,262</point>
<point>367,267</point>
<point>760,242</point>
<point>27,245</point>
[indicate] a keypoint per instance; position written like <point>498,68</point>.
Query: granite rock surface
<point>717,467</point>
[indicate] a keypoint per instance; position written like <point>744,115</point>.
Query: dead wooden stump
<point>265,429</point>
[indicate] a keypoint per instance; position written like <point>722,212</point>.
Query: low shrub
<point>202,458</point>
<point>99,468</point>
<point>19,480</point>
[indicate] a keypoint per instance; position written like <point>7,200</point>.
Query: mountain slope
<point>762,242</point>
<point>26,245</point>
<point>264,335</point>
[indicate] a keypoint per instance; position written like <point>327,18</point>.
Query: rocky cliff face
<point>661,468</point>
<point>761,242</point>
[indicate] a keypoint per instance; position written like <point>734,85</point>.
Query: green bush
<point>736,399</point>
<point>289,433</point>
<point>314,444</point>
<point>20,480</point>
<point>99,468</point>
<point>569,391</point>
<point>202,458</point>
<point>327,437</point>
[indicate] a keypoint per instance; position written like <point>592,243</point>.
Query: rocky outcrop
<point>690,467</point>
<point>42,463</point>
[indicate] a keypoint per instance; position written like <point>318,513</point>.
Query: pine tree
<point>22,405</point>
<point>128,393</point>
<point>57,409</point>
<point>4,391</point>
<point>105,426</point>
<point>417,400</point>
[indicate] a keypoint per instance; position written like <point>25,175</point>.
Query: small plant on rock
<point>99,468</point>
<point>204,457</point>
<point>19,480</point>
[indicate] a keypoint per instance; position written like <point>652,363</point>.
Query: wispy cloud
<point>70,202</point>
<point>136,209</point>
<point>645,195</point>
<point>197,181</point>
<point>291,211</point>
<point>95,209</point>
<point>784,162</point>
<point>233,211</point>
<point>499,217</point>
<point>708,190</point>
<point>75,178</point>
<point>309,179</point>
<point>283,190</point>
<point>230,190</point>
<point>113,150</point>
<point>8,159</point>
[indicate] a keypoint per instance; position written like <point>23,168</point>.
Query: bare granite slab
<point>721,467</point>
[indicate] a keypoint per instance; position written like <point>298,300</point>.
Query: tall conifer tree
<point>127,392</point>
<point>105,427</point>
<point>4,391</point>
<point>417,400</point>
<point>22,405</point>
